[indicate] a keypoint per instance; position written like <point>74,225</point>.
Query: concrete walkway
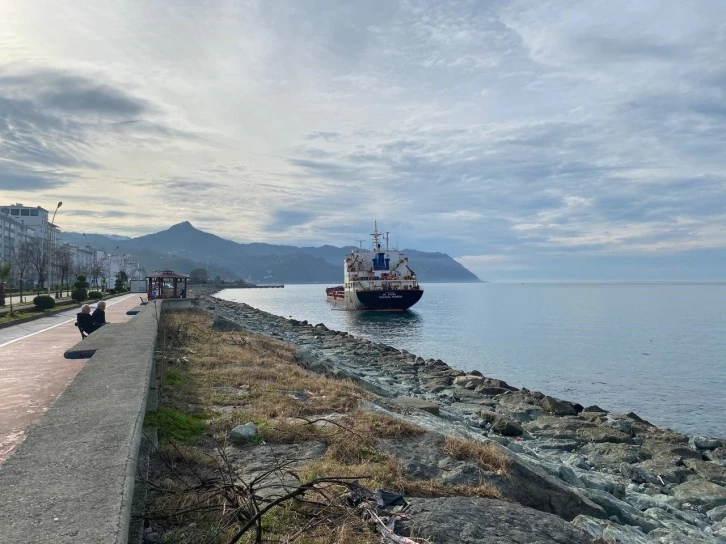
<point>33,371</point>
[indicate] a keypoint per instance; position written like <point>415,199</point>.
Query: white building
<point>36,220</point>
<point>34,217</point>
<point>83,258</point>
<point>12,234</point>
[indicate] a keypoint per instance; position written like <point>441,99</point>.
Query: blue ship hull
<point>395,300</point>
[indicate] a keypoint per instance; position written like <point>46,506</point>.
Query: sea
<point>658,350</point>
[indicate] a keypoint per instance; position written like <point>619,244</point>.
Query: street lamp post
<point>50,233</point>
<point>109,267</point>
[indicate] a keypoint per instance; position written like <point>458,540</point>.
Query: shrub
<point>44,302</point>
<point>79,294</point>
<point>95,294</point>
<point>81,283</point>
<point>112,291</point>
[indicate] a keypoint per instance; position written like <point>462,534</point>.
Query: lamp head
<point>59,205</point>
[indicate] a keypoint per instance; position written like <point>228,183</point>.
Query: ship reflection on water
<point>385,327</point>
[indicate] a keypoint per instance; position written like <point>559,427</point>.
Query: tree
<point>21,260</point>
<point>199,275</point>
<point>96,271</point>
<point>4,275</point>
<point>39,260</point>
<point>64,263</point>
<point>121,281</point>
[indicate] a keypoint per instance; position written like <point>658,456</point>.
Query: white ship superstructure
<point>376,279</point>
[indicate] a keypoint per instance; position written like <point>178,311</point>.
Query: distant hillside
<point>183,247</point>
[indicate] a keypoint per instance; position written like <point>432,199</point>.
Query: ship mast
<point>376,235</point>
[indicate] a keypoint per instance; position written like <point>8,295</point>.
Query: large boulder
<point>708,471</point>
<point>701,493</point>
<point>418,404</point>
<point>608,531</point>
<point>558,407</point>
<point>467,520</point>
<point>622,510</point>
<point>423,457</point>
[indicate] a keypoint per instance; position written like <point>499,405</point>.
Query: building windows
<point>6,211</point>
<point>24,212</point>
<point>14,212</point>
<point>34,212</point>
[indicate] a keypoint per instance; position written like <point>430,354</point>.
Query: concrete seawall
<point>72,480</point>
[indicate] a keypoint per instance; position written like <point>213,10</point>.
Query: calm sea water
<point>658,350</point>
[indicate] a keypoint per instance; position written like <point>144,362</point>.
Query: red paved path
<point>33,373</point>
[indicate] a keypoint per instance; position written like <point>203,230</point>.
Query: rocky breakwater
<point>613,477</point>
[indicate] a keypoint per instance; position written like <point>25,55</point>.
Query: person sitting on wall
<point>85,320</point>
<point>183,294</point>
<point>99,315</point>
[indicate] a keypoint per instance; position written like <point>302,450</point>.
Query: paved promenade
<point>33,371</point>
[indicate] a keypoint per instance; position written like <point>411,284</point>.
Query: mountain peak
<point>186,225</point>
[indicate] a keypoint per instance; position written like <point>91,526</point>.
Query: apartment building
<point>12,234</point>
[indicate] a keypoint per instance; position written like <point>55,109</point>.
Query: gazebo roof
<point>166,274</point>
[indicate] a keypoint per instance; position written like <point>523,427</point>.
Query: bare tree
<point>39,260</point>
<point>21,262</point>
<point>64,264</point>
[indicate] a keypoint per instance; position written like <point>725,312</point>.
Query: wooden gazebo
<point>166,284</point>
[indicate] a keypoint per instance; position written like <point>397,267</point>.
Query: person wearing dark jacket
<point>99,315</point>
<point>85,320</point>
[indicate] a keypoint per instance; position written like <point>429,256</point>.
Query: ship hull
<point>392,300</point>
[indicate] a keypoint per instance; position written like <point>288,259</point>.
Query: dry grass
<point>486,456</point>
<point>238,377</point>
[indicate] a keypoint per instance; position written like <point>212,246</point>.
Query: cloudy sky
<point>531,140</point>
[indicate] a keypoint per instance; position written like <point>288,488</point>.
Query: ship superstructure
<point>376,280</point>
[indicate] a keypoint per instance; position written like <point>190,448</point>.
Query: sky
<point>549,140</point>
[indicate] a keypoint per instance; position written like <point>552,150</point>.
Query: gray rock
<point>503,425</point>
<point>637,474</point>
<point>603,433</point>
<point>612,455</point>
<point>523,483</point>
<point>706,442</point>
<point>575,460</point>
<point>622,425</point>
<point>594,409</point>
<point>470,382</point>
<point>621,509</point>
<point>221,324</point>
<point>668,536</point>
<point>243,433</point>
<point>671,522</point>
<point>465,395</point>
<point>708,470</point>
<point>418,404</point>
<point>464,520</point>
<point>717,514</point>
<point>701,493</point>
<point>558,407</point>
<point>610,532</point>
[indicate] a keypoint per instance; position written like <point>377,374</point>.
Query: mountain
<point>182,247</point>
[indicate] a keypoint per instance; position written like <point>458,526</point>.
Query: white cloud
<point>469,127</point>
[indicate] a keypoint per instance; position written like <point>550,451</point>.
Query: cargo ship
<point>376,280</point>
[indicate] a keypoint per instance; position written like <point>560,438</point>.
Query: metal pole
<point>50,232</point>
<point>109,267</point>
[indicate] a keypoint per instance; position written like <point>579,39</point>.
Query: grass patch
<point>486,456</point>
<point>16,315</point>
<point>175,425</point>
